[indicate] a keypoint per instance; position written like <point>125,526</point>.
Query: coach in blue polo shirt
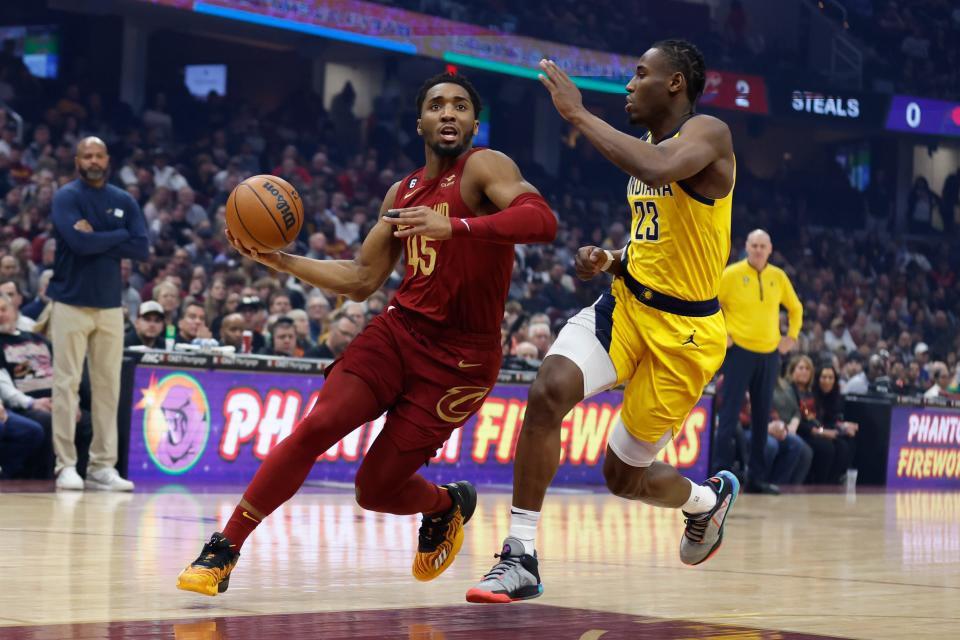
<point>95,225</point>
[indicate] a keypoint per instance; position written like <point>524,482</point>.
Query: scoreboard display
<point>925,116</point>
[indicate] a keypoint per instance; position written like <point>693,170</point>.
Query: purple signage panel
<point>214,427</point>
<point>924,448</point>
<point>921,115</point>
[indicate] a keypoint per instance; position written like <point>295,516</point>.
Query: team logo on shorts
<point>691,340</point>
<point>176,422</point>
<point>460,402</point>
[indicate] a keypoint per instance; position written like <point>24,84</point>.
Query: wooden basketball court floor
<point>95,565</point>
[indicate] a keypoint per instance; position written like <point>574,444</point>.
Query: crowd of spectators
<point>882,310</point>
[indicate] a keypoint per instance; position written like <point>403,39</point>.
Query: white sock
<point>701,499</point>
<point>523,527</point>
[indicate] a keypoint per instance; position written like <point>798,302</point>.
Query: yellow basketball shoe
<point>441,535</point>
<point>209,574</point>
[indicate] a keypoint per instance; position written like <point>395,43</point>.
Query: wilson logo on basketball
<point>282,205</point>
<point>460,402</point>
<point>264,213</point>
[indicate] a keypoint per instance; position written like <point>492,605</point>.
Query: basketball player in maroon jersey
<point>430,359</point>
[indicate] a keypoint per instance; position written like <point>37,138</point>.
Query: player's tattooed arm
<point>357,278</point>
<point>705,139</point>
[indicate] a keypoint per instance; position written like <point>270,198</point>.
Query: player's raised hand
<point>589,262</point>
<point>272,260</point>
<point>566,96</point>
<point>419,221</point>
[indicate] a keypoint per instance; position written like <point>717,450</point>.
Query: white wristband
<point>609,256</point>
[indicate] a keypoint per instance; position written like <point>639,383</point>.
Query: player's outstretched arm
<point>357,278</point>
<point>704,140</point>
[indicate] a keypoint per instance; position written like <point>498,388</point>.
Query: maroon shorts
<point>430,379</point>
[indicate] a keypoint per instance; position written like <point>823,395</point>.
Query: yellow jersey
<point>679,240</point>
<point>751,301</point>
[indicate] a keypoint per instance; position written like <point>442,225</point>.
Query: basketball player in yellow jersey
<point>658,329</point>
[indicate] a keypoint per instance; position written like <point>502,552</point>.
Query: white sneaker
<point>69,479</point>
<point>107,480</point>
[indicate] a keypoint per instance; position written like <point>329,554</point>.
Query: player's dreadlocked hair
<point>453,78</point>
<point>687,59</point>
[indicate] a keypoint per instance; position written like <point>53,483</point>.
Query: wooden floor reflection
<point>104,565</point>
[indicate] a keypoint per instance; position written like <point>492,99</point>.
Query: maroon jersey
<point>460,283</point>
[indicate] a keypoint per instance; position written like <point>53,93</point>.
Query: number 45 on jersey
<point>421,255</point>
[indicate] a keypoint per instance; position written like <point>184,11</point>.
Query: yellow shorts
<point>665,359</point>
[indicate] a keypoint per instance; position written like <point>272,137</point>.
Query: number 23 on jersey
<point>648,223</point>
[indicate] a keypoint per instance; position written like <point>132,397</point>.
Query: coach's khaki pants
<point>98,335</point>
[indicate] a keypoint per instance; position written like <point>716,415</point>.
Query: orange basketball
<point>264,213</point>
